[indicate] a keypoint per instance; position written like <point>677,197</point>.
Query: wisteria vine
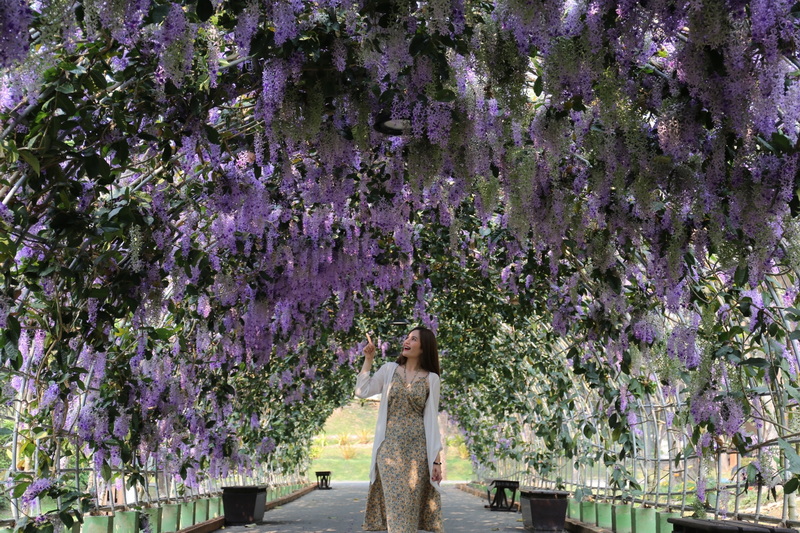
<point>200,218</point>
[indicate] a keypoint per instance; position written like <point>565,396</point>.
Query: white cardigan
<point>381,382</point>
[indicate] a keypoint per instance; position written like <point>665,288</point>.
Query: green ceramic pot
<point>662,526</point>
<point>588,513</point>
<point>153,517</point>
<point>98,524</point>
<point>214,505</point>
<point>170,517</point>
<point>126,522</point>
<point>604,518</point>
<point>621,518</point>
<point>574,509</point>
<point>187,514</point>
<point>643,520</point>
<point>201,510</point>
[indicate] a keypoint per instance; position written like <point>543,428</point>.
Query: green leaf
<point>205,9</point>
<point>445,95</point>
<point>791,485</point>
<point>417,42</point>
<point>538,86</point>
<point>97,167</point>
<point>20,488</point>
<point>66,517</point>
<point>212,134</point>
<point>758,362</point>
<point>65,103</point>
<point>105,472</point>
<point>740,276</point>
<point>794,393</point>
<point>98,78</point>
<point>159,12</point>
<point>66,88</point>
<point>29,158</point>
<point>791,456</point>
<point>781,142</point>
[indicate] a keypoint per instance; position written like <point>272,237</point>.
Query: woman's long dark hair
<point>429,360</point>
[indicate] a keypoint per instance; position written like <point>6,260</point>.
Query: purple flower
<point>175,44</point>
<point>121,426</point>
<point>701,489</point>
<point>339,55</point>
<point>645,332</point>
<point>6,214</point>
<point>246,28</point>
<point>120,63</point>
<point>731,417</point>
<point>38,346</point>
<point>682,343</point>
<point>35,489</point>
<point>203,306</point>
<point>49,396</point>
<point>15,17</point>
<point>285,20</point>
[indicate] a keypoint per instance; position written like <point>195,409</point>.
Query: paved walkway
<point>341,510</point>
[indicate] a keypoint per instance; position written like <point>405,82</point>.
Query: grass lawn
<point>353,420</point>
<point>357,468</point>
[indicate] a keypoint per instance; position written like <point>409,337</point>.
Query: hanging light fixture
<point>388,125</point>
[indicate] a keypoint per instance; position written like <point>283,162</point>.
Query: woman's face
<point>412,347</point>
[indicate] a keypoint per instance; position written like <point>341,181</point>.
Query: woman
<point>404,493</point>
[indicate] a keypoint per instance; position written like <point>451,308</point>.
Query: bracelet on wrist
<point>436,463</point>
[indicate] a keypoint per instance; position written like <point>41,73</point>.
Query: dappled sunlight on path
<point>341,510</point>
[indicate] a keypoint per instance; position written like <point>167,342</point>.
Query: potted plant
<point>621,517</point>
<point>574,508</point>
<point>187,514</point>
<point>98,523</point>
<point>150,518</point>
<point>244,504</point>
<point>126,521</point>
<point>603,510</point>
<point>201,510</point>
<point>170,517</point>
<point>643,520</point>
<point>214,507</point>
<point>662,520</point>
<point>588,512</point>
<point>543,510</point>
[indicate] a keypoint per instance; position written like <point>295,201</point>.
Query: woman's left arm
<point>436,473</point>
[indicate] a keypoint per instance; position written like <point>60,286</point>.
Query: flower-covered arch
<point>201,215</point>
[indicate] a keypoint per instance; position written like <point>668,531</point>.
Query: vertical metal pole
<point>15,447</point>
<point>685,475</point>
<point>738,481</point>
<point>664,407</point>
<point>93,475</point>
<point>37,473</point>
<point>719,485</point>
<point>77,452</point>
<point>646,447</point>
<point>57,464</point>
<point>656,449</point>
<point>759,455</point>
<point>634,456</point>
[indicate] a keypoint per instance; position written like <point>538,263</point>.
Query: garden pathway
<point>341,510</point>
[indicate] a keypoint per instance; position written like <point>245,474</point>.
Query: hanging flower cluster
<point>200,210</point>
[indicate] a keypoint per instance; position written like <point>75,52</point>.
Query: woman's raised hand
<point>369,350</point>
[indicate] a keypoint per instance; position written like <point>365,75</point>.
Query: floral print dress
<point>402,496</point>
